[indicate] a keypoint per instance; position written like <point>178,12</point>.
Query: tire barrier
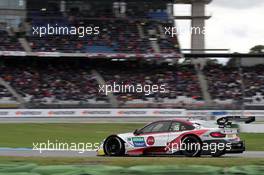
<point>33,169</point>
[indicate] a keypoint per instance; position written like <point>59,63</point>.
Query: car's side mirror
<point>136,132</point>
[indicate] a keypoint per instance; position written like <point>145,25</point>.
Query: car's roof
<point>176,120</point>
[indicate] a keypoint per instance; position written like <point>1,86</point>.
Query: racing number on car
<point>150,140</point>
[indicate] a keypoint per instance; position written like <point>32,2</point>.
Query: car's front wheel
<point>114,146</point>
<point>191,146</point>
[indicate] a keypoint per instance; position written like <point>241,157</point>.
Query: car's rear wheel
<point>191,146</point>
<point>114,146</point>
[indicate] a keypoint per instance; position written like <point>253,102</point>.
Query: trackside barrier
<point>252,128</point>
<point>33,169</point>
<point>206,113</point>
<point>144,112</point>
<point>93,113</point>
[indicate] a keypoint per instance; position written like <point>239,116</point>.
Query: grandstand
<point>66,70</point>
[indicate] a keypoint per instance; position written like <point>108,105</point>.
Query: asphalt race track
<point>25,152</point>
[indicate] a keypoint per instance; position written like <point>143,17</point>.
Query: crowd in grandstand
<point>9,43</point>
<point>178,81</point>
<point>64,81</point>
<point>50,82</point>
<point>118,34</point>
<point>73,81</point>
<point>226,82</point>
<point>4,93</point>
<point>44,81</point>
<point>223,82</point>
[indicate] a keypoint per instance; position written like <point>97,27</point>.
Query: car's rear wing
<point>227,120</point>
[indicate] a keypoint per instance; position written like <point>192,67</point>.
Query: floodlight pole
<point>197,17</point>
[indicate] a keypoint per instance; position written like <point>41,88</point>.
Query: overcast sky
<point>237,25</point>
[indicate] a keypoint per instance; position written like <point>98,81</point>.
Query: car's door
<point>156,134</point>
<point>176,129</point>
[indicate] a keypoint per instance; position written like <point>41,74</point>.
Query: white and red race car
<point>176,137</point>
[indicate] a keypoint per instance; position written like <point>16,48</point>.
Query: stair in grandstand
<point>204,87</point>
<point>161,32</point>
<point>24,43</point>
<point>140,31</point>
<point>101,81</point>
<point>11,94</point>
<point>153,37</point>
<point>155,46</point>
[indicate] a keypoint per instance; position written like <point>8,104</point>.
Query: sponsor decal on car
<point>150,140</point>
<point>138,141</point>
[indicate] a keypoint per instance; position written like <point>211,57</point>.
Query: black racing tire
<point>114,146</point>
<point>192,146</point>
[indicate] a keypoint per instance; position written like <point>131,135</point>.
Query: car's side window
<point>178,126</point>
<point>162,126</point>
<point>186,127</point>
<point>147,128</point>
<point>175,126</point>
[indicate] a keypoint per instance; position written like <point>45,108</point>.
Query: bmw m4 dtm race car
<point>177,137</point>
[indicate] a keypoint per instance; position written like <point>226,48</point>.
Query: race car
<point>176,137</point>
